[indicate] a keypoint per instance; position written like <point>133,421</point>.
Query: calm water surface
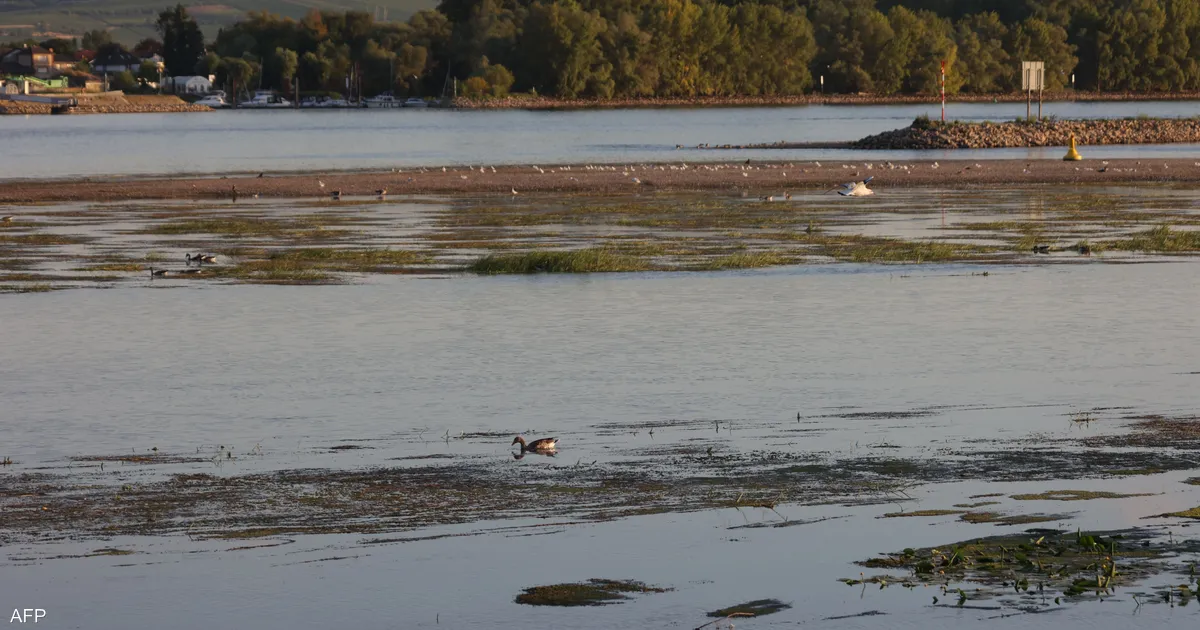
<point>251,141</point>
<point>103,371</point>
<point>107,370</point>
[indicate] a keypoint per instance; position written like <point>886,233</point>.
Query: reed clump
<point>591,260</point>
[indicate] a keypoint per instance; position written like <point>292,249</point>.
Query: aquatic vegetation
<point>306,228</point>
<point>41,239</point>
<point>1017,519</point>
<point>978,504</point>
<point>1042,563</point>
<point>756,608</point>
<point>591,260</point>
<point>594,592</point>
<point>744,261</point>
<point>1160,239</point>
<point>921,513</point>
<point>1075,495</point>
<point>1191,513</point>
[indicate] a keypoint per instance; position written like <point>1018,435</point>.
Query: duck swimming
<point>537,446</point>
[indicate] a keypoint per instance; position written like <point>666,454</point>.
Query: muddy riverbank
<point>688,174</point>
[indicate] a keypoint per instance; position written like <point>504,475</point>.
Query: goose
<point>336,195</point>
<point>542,445</point>
<point>382,192</point>
<point>1041,249</point>
<point>514,192</point>
<point>158,272</point>
<point>7,219</point>
<point>200,258</point>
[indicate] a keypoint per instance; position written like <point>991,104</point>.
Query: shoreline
<point>538,103</point>
<point>757,177</point>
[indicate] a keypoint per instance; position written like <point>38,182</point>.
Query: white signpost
<point>1033,77</point>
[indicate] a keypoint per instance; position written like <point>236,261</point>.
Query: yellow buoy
<point>1072,155</point>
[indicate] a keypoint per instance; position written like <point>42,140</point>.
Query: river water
<point>252,141</point>
<point>291,368</point>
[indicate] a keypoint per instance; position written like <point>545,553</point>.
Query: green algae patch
<point>756,608</point>
<point>1034,567</point>
<point>922,513</point>
<point>1076,495</point>
<point>594,592</point>
<point>1015,519</point>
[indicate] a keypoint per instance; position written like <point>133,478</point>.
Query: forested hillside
<point>622,48</point>
<point>686,48</point>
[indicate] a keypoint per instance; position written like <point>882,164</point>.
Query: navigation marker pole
<point>943,90</point>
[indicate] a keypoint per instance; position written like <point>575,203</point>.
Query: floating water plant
<point>594,592</point>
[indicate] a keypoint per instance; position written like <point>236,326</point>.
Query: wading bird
<point>856,189</point>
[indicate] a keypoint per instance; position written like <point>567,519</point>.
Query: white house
<point>188,85</point>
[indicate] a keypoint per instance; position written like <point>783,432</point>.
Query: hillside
<point>132,20</point>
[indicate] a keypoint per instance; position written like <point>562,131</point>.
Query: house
<point>28,61</point>
<point>84,81</point>
<point>62,62</point>
<point>114,59</point>
<point>188,85</point>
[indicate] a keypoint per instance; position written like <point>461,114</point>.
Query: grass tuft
<point>592,260</point>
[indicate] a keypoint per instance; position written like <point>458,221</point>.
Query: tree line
<point>686,48</point>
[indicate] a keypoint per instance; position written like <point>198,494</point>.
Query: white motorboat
<point>384,101</point>
<point>266,99</point>
<point>215,101</point>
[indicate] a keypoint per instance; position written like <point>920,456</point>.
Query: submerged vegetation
<point>594,592</point>
<point>1039,565</point>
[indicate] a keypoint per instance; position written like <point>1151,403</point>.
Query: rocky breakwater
<point>925,134</point>
<point>113,103</point>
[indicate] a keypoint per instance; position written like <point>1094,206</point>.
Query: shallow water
<point>394,363</point>
<point>91,372</point>
<point>251,141</point>
<point>246,364</point>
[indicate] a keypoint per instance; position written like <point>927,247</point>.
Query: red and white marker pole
<point>943,91</point>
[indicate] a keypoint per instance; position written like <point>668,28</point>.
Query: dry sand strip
<point>732,175</point>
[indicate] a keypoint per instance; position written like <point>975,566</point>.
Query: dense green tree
<point>182,41</point>
<point>60,46</point>
<point>983,64</point>
<point>94,39</point>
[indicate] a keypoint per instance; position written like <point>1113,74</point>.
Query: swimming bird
<point>192,271</point>
<point>382,192</point>
<point>544,444</point>
<point>260,175</point>
<point>233,192</point>
<point>321,184</point>
<point>514,192</point>
<point>1085,249</point>
<point>636,180</point>
<point>857,189</point>
<point>336,195</point>
<point>157,272</point>
<point>7,219</point>
<point>1041,249</point>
